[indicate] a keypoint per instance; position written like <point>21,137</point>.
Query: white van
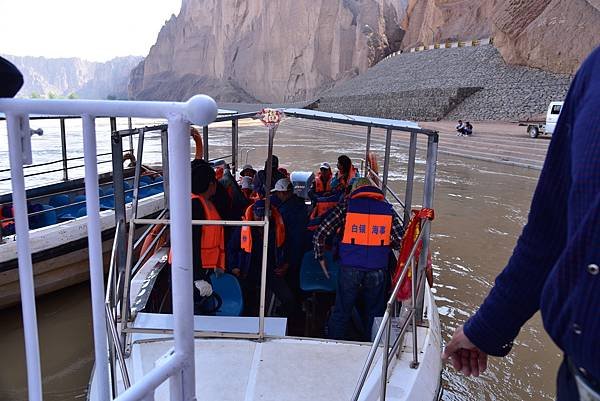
<point>535,128</point>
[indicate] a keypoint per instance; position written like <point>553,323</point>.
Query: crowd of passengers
<point>347,215</point>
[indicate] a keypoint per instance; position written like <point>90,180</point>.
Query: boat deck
<point>276,369</point>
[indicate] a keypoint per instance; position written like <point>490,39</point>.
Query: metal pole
<point>181,245</point>
<point>95,256</point>
<point>234,146</point>
<point>131,232</point>
<point>18,126</point>
<point>164,140</point>
<point>386,162</point>
<point>428,190</point>
<point>205,141</point>
<point>415,362</point>
<point>385,358</point>
<point>63,145</point>
<point>130,126</point>
<point>263,273</point>
<point>410,177</point>
<point>367,151</point>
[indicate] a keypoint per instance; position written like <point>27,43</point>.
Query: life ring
<point>372,162</point>
<point>198,141</point>
<point>150,238</point>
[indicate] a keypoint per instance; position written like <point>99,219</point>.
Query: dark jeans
<point>351,281</point>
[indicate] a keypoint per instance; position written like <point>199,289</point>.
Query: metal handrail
<point>386,321</point>
<point>117,347</point>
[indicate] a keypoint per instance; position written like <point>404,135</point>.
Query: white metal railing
<point>179,366</point>
<point>384,330</point>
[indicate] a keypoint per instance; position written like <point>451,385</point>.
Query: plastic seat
<point>145,180</point>
<point>312,277</point>
<point>48,218</point>
<point>230,292</point>
<point>82,212</point>
<point>59,200</point>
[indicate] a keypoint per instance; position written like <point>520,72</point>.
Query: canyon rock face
<point>66,76</point>
<point>293,50</point>
<point>262,50</point>
<point>554,35</point>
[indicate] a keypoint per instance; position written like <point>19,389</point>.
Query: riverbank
<point>493,141</point>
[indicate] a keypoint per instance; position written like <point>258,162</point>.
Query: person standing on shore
<point>555,264</point>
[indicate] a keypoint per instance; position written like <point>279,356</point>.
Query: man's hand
<point>324,268</point>
<point>236,271</point>
<point>465,356</point>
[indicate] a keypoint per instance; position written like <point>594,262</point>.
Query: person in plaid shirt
<point>371,229</point>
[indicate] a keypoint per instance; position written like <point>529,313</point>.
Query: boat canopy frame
<point>178,367</point>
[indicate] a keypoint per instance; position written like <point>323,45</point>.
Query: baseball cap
<point>282,185</point>
<point>246,182</point>
<point>325,165</point>
<point>247,167</point>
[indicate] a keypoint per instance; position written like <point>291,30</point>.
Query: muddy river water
<point>480,210</point>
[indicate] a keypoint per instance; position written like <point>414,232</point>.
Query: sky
<point>95,30</point>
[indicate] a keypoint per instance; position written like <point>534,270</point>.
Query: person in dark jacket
<point>295,218</point>
<point>555,264</point>
<point>11,79</point>
<point>260,179</point>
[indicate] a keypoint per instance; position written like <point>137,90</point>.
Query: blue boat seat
<point>109,190</point>
<point>82,212</point>
<point>145,180</point>
<point>312,277</point>
<point>228,288</point>
<point>59,200</point>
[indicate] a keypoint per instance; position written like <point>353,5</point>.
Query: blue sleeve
<point>516,294</point>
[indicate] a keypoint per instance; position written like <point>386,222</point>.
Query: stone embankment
<point>468,82</point>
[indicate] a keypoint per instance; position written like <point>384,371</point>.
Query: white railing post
<point>95,257</point>
<point>181,245</point>
<point>18,130</point>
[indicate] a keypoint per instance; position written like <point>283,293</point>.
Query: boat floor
<point>276,369</point>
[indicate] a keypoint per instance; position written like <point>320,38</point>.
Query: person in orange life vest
<point>208,242</point>
<point>245,252</point>
<point>346,174</point>
<point>371,229</point>
<point>322,183</point>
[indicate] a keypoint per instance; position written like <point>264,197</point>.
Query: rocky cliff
<point>553,35</point>
<point>291,50</point>
<point>65,76</point>
<point>260,50</point>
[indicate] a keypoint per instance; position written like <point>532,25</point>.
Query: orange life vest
<point>7,220</point>
<point>368,228</point>
<point>246,233</point>
<point>212,246</point>
<point>320,186</point>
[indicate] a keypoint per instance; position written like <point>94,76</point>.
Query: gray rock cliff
<point>65,76</point>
